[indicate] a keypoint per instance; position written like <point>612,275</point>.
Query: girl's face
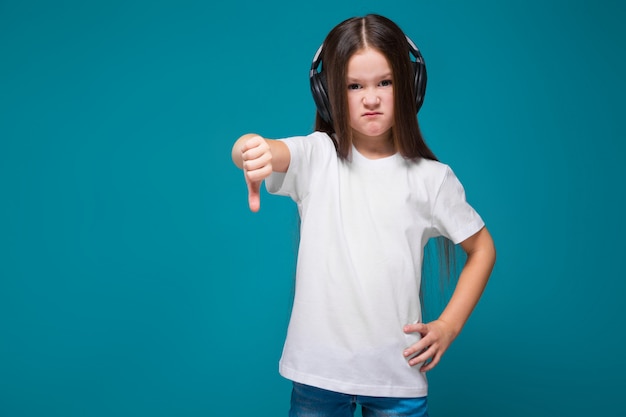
<point>370,95</point>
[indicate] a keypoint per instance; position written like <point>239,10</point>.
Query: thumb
<point>254,195</point>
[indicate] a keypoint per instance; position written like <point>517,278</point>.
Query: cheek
<point>389,98</point>
<point>353,108</point>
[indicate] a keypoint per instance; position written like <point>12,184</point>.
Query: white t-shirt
<point>364,224</point>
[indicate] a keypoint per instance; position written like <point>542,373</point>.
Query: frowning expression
<point>370,95</point>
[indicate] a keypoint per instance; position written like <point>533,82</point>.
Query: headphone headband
<point>316,60</point>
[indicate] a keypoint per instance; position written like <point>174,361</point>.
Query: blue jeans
<point>307,401</point>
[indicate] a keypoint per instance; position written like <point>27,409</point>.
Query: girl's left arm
<point>439,334</point>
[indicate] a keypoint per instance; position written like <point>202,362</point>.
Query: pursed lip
<point>371,113</point>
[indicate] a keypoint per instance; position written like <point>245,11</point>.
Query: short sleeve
<point>307,154</point>
<point>453,217</point>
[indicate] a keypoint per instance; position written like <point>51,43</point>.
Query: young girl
<point>370,194</point>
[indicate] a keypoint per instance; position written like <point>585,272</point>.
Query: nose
<point>370,98</point>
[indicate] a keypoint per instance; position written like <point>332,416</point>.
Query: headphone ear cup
<point>419,71</point>
<point>320,96</point>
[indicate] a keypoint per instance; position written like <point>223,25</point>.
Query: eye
<point>353,86</point>
<point>386,83</point>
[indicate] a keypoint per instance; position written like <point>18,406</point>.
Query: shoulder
<point>314,139</point>
<point>430,165</point>
<point>433,176</point>
<point>316,143</point>
<point>431,169</point>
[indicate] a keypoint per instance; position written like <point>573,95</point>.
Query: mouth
<point>371,114</point>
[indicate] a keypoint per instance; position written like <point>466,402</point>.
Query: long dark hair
<point>380,33</point>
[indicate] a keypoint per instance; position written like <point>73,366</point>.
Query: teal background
<point>135,282</point>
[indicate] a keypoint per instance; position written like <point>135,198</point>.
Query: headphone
<point>320,90</point>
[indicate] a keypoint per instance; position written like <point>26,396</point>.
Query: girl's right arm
<point>258,158</point>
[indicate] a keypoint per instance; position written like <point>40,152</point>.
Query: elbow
<point>490,252</point>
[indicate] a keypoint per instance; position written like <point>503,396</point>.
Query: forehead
<point>368,62</point>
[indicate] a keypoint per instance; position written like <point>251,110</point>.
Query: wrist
<point>452,327</point>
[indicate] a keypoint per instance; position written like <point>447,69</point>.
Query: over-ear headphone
<point>320,91</point>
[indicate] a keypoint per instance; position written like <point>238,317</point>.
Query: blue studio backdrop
<point>134,281</point>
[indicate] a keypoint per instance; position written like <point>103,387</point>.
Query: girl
<point>370,194</point>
